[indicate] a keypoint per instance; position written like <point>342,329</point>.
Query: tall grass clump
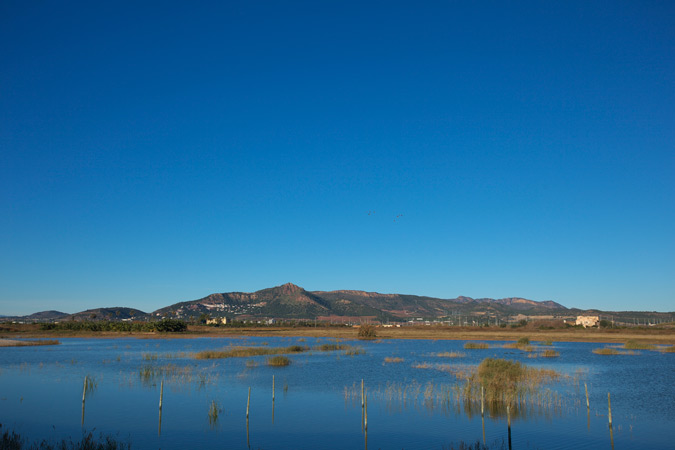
<point>550,354</point>
<point>476,345</point>
<point>505,381</point>
<point>523,341</point>
<point>670,349</point>
<point>278,361</point>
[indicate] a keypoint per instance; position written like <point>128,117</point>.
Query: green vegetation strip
<point>243,352</point>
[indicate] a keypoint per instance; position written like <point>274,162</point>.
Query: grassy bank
<point>662,336</point>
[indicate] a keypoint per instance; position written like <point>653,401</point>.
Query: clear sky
<point>156,152</point>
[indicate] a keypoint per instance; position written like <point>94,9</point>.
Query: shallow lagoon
<point>317,402</point>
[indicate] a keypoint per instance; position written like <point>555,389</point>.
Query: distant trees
<point>162,326</point>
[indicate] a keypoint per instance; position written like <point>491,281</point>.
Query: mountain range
<point>293,302</point>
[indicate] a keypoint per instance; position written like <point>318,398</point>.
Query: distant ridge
<point>293,302</point>
<point>290,301</point>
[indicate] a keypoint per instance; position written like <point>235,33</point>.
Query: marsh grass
<point>278,361</point>
<point>550,354</point>
<point>353,351</point>
<point>11,440</point>
<point>632,344</point>
<point>670,349</point>
<point>243,352</point>
<point>450,354</point>
<point>250,363</point>
<point>476,345</point>
<point>393,359</point>
<point>612,351</point>
<point>150,375</point>
<point>331,347</point>
<point>505,382</point>
<point>547,343</point>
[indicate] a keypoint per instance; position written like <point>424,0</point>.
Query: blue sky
<point>158,152</point>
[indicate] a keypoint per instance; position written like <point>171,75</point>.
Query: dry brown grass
<point>14,343</point>
<point>550,354</point>
<point>393,359</point>
<point>476,345</point>
<point>613,351</point>
<point>450,354</point>
<point>663,336</point>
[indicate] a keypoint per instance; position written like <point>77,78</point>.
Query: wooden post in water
<point>248,402</point>
<point>482,401</point>
<point>272,388</point>
<point>84,388</point>
<point>365,413</point>
<point>161,399</point>
<point>588,405</point>
<point>508,418</point>
<point>362,404</point>
<point>609,406</point>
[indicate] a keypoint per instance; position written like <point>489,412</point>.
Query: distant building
<point>216,321</point>
<point>587,321</point>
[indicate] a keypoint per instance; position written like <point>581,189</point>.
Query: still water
<point>317,404</point>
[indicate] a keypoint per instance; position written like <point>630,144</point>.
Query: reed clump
<point>550,354</point>
<point>393,359</point>
<point>670,349</point>
<point>353,351</point>
<point>278,361</point>
<point>243,352</point>
<point>476,345</point>
<point>214,410</point>
<point>504,381</point>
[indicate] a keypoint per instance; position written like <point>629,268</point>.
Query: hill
<point>293,302</point>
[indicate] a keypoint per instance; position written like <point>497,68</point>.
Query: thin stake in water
<point>482,401</point>
<point>588,405</point>
<point>609,406</point>
<point>248,402</point>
